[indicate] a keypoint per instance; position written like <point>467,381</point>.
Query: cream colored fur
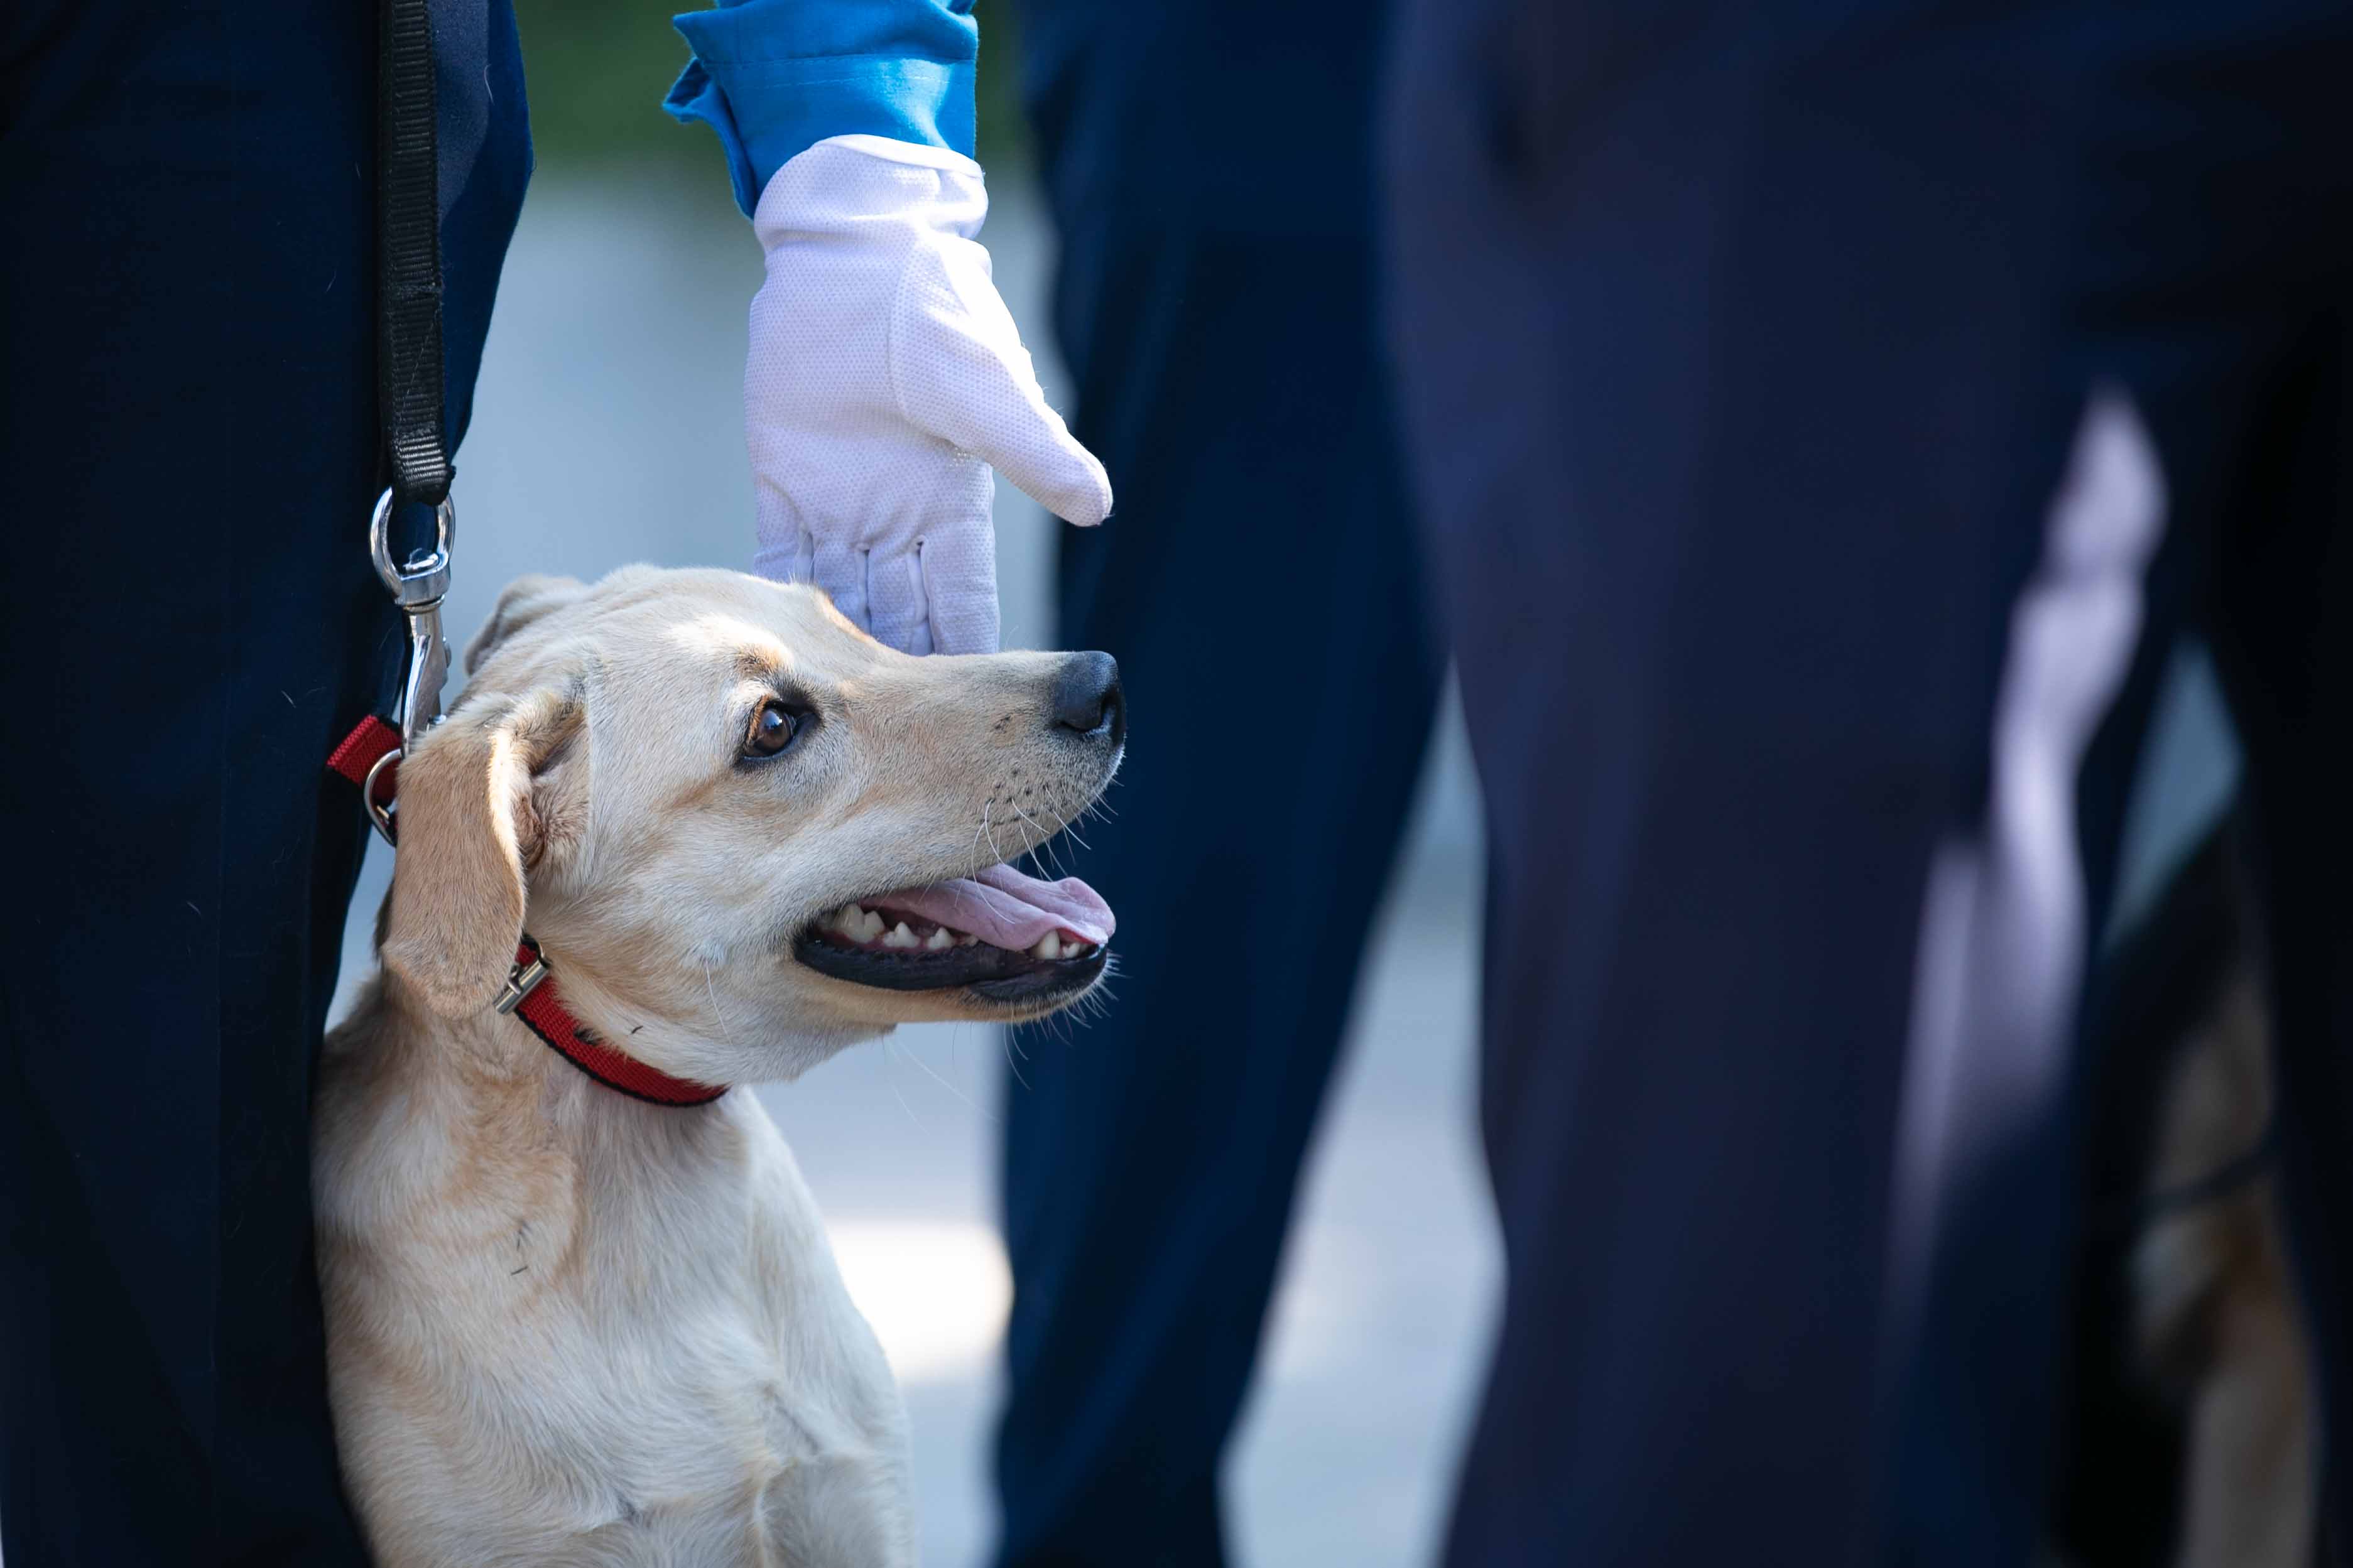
<point>2217,1306</point>
<point>565,1326</point>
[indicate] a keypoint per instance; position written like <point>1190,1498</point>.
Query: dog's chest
<point>738,1449</point>
<point>620,1370</point>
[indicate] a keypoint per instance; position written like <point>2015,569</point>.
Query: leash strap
<point>408,256</point>
<point>360,752</point>
<point>370,757</point>
<point>408,398</point>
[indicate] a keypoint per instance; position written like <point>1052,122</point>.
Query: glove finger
<point>959,582</point>
<point>962,375</point>
<point>894,600</point>
<point>1047,463</point>
<point>784,555</point>
<point>839,568</point>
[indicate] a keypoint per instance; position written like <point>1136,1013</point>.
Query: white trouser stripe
<point>2001,950</point>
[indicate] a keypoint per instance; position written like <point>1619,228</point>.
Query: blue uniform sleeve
<point>777,76</point>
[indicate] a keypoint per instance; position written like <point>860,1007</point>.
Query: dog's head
<point>745,833</point>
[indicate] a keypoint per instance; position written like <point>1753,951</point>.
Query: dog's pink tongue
<point>1006,909</point>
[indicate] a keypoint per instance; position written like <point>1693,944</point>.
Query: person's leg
<point>1727,574</point>
<point>1798,568</point>
<point>2282,612</point>
<point>187,453</point>
<point>2189,290</point>
<point>1259,585</point>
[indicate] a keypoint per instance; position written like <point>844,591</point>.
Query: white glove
<point>886,378</point>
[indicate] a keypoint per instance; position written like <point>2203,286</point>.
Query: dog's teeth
<point>844,920</point>
<point>1049,946</point>
<point>901,937</point>
<point>937,940</point>
<point>1077,950</point>
<point>870,925</point>
<point>968,942</point>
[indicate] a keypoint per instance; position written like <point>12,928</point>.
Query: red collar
<point>530,992</point>
<point>531,996</point>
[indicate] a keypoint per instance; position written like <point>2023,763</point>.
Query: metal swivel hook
<point>417,588</point>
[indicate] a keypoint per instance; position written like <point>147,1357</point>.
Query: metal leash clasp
<point>418,586</point>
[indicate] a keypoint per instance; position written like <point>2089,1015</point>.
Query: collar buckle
<point>522,981</point>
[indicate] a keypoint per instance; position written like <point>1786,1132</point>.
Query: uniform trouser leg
<point>2282,606</point>
<point>1800,411</point>
<point>1258,586</point>
<point>189,442</point>
<point>186,456</point>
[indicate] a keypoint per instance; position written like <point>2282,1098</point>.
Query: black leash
<point>409,258</point>
<point>408,378</point>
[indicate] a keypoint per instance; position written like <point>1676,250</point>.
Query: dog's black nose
<point>1085,697</point>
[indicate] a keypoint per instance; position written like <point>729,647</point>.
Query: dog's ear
<point>485,797</point>
<point>526,600</point>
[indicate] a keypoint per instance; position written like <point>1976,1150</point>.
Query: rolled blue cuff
<point>775,77</point>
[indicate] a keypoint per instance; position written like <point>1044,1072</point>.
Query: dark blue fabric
<point>189,450</point>
<point>1259,581</point>
<point>775,77</point>
<point>484,150</point>
<point>1741,350</point>
<point>1236,116</point>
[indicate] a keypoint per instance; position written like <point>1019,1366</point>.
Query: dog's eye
<point>773,729</point>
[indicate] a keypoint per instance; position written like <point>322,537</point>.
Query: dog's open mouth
<point>1007,936</point>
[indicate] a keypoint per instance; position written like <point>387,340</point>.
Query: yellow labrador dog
<point>569,1326</point>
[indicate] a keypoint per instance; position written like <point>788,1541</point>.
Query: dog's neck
<point>487,1050</point>
<point>533,999</point>
<point>497,1057</point>
<point>669,1014</point>
<point>497,1126</point>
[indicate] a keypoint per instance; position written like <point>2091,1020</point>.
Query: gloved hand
<point>886,379</point>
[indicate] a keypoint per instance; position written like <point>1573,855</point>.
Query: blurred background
<point>608,429</point>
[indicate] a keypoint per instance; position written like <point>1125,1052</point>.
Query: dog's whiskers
<point>982,829</point>
<point>969,1103</point>
<point>891,1070</point>
<point>993,849</point>
<point>1044,848</point>
<point>717,1012</point>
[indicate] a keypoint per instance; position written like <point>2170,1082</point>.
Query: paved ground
<point>609,431</point>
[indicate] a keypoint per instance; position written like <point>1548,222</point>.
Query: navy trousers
<point>1826,415</point>
<point>187,458</point>
<point>1260,585</point>
<point>1819,410</point>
